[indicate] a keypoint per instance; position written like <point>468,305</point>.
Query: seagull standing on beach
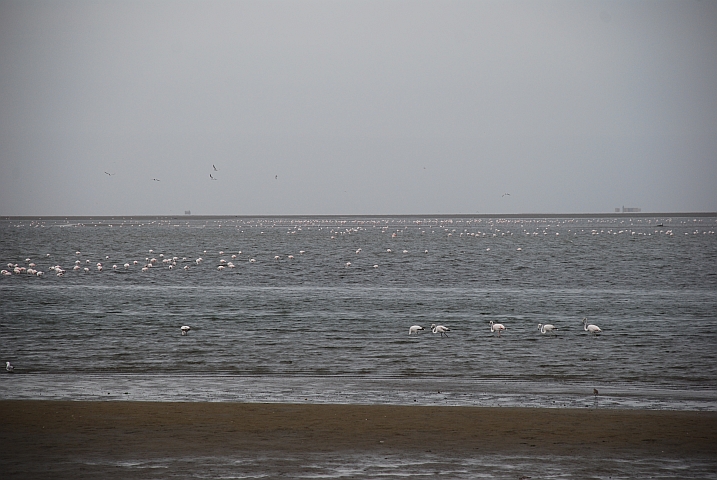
<point>415,329</point>
<point>440,329</point>
<point>594,329</point>
<point>496,327</point>
<point>185,329</point>
<point>9,367</point>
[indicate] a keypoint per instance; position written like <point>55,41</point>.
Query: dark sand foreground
<point>33,432</point>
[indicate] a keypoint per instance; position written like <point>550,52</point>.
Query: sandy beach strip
<point>30,430</point>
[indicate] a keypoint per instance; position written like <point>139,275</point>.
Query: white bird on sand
<point>546,328</point>
<point>440,329</point>
<point>594,329</point>
<point>415,329</point>
<point>9,367</point>
<point>185,329</point>
<point>496,327</point>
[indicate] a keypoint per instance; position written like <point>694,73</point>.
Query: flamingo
<point>546,328</point>
<point>594,329</point>
<point>496,327</point>
<point>440,329</point>
<point>415,329</point>
<point>185,329</point>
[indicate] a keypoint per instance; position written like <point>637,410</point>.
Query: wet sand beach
<point>58,438</point>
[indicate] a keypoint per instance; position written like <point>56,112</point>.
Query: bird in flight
<point>276,177</point>
<point>505,194</point>
<point>212,177</point>
<point>155,179</point>
<point>215,168</point>
<point>110,174</point>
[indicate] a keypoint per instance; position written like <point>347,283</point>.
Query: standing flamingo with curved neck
<point>440,329</point>
<point>594,329</point>
<point>546,328</point>
<point>496,327</point>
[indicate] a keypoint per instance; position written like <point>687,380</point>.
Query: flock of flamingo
<point>498,328</point>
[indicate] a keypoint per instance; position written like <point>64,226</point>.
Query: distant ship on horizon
<point>628,209</point>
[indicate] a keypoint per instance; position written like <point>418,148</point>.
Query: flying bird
<point>155,180</point>
<point>215,168</point>
<point>505,194</point>
<point>276,177</point>
<point>210,176</point>
<point>185,329</point>
<point>110,174</point>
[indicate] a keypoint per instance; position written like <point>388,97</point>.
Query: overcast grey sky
<point>357,107</point>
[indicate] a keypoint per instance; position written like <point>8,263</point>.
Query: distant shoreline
<point>427,215</point>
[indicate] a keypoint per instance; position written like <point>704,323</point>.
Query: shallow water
<point>393,465</point>
<point>312,328</point>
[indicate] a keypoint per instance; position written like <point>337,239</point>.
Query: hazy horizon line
<point>410,215</point>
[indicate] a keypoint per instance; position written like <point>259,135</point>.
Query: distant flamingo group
<point>499,328</point>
